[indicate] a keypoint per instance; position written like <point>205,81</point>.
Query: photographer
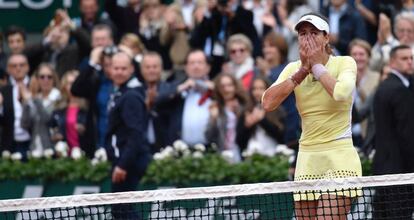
<point>94,85</point>
<point>188,101</point>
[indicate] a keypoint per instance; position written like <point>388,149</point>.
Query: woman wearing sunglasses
<point>39,103</point>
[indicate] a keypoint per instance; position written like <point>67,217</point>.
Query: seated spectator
<point>230,104</point>
<point>259,131</point>
<point>39,105</point>
<point>241,63</point>
<point>69,119</point>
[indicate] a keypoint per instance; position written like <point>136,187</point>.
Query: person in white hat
<point>323,85</point>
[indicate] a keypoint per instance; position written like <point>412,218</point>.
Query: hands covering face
<point>311,51</point>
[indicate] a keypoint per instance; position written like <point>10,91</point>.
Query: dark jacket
<point>124,18</point>
<point>7,118</point>
<point>351,26</point>
<point>126,141</point>
<point>87,85</point>
<point>67,59</point>
<point>394,118</point>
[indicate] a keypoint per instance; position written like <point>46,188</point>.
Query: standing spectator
<point>3,61</point>
<point>241,63</point>
<point>188,101</point>
<point>69,118</point>
<point>218,21</point>
<point>126,19</point>
<point>289,12</point>
<point>275,51</point>
<point>126,142</point>
<point>404,34</point>
<point>89,16</point>
<point>57,47</point>
<point>230,104</point>
<point>39,106</point>
<point>134,43</point>
<point>14,137</point>
<point>151,69</point>
<point>94,84</point>
<point>346,24</point>
<point>151,21</point>
<point>394,140</point>
<point>15,39</point>
<point>259,131</point>
<point>174,34</point>
<point>366,85</point>
<point>131,42</point>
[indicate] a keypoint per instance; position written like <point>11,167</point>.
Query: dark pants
<point>21,147</point>
<point>134,175</point>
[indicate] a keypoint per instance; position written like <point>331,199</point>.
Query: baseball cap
<point>315,20</point>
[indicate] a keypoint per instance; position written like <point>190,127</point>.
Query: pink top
<point>72,136</point>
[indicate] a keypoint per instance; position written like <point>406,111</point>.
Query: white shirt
<point>334,17</point>
<point>187,11</point>
<point>20,134</point>
<point>195,119</point>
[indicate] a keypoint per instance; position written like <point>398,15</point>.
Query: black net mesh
<point>379,202</point>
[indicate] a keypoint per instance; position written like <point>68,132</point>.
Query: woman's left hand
<point>315,52</point>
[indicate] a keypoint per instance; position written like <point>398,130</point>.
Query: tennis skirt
<point>336,159</point>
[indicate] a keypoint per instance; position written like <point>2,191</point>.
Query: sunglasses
<point>234,51</point>
<point>49,77</point>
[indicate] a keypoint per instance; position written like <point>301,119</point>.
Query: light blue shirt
<point>334,16</point>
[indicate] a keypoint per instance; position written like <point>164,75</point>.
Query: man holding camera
<point>189,101</point>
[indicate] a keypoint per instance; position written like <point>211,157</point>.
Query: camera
<point>201,84</point>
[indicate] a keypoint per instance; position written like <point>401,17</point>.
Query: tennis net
<point>373,197</point>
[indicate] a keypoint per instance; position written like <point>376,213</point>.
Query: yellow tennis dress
<point>326,150</point>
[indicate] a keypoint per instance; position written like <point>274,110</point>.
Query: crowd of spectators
<point>204,65</point>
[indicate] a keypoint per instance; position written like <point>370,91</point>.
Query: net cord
<point>202,192</point>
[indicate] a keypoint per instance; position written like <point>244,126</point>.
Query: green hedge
<point>178,169</point>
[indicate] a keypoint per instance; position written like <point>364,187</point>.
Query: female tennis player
<point>323,86</point>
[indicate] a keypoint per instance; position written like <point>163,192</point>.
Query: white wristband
<point>318,70</point>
